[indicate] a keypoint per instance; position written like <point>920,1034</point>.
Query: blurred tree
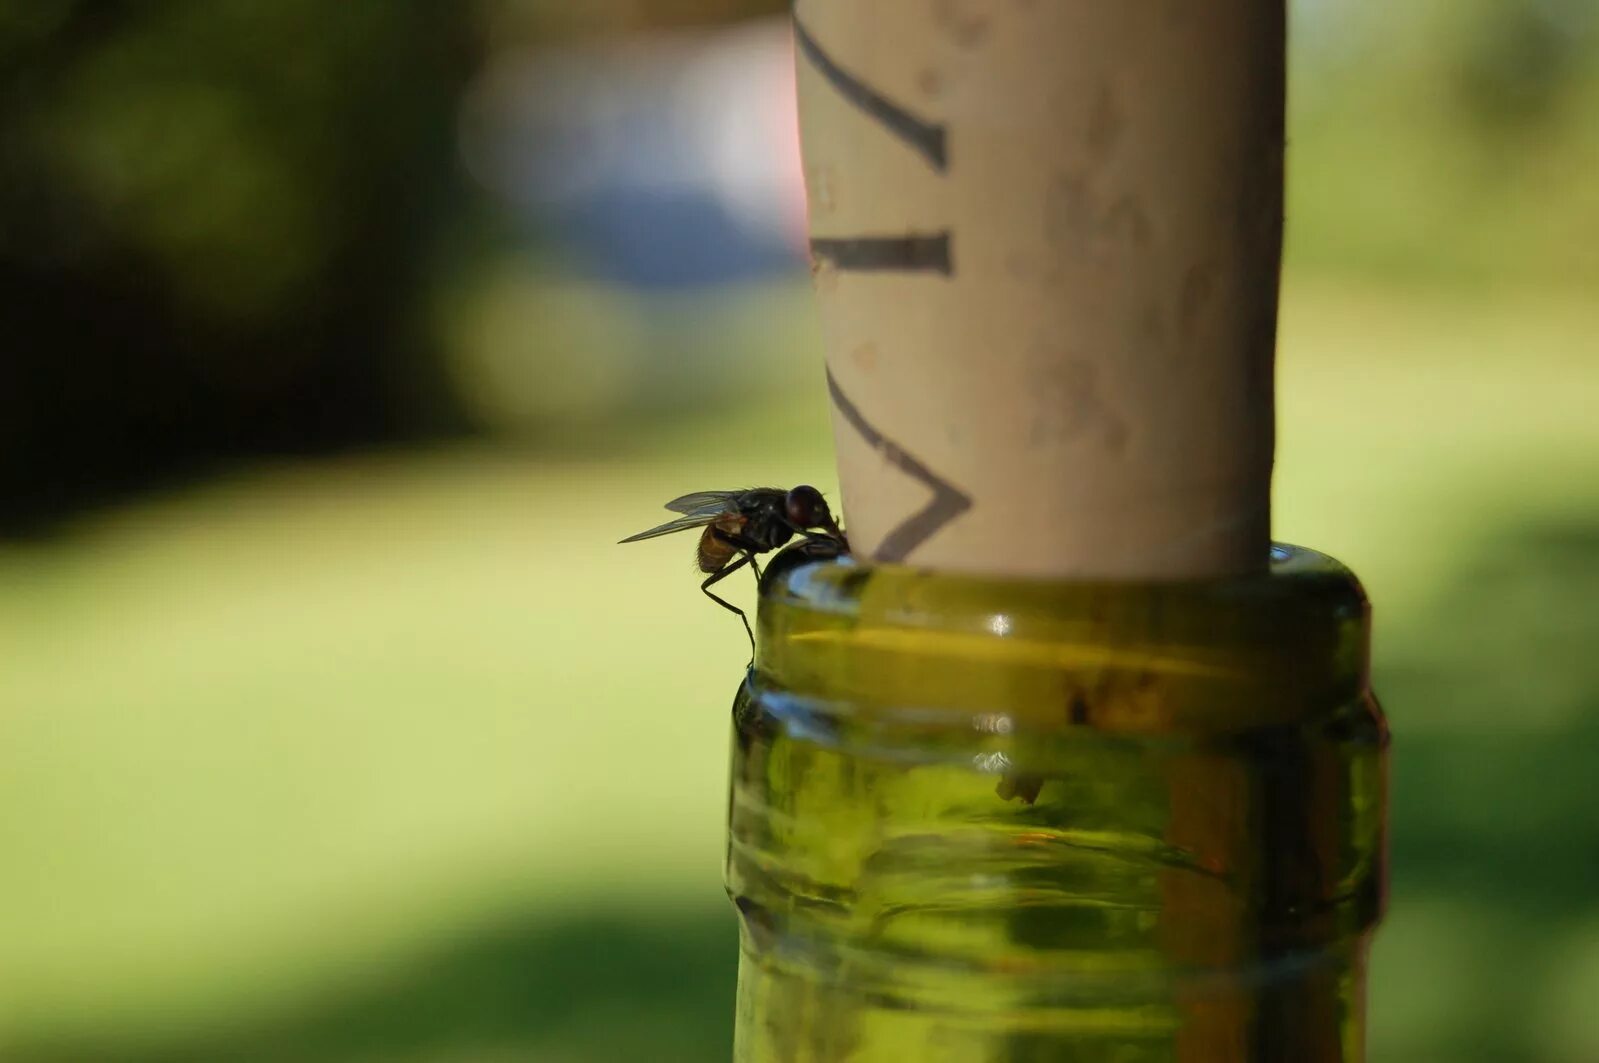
<point>221,220</point>
<point>1446,140</point>
<point>215,219</point>
<point>1522,60</point>
<point>546,20</point>
<point>221,225</point>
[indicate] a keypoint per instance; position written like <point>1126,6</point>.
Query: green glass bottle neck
<point>1124,821</point>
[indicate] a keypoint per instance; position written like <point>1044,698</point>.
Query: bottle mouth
<point>1286,645</point>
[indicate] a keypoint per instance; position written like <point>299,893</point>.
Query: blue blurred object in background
<point>660,162</point>
<point>653,229</point>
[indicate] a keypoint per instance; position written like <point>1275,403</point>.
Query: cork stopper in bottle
<point>1045,242</point>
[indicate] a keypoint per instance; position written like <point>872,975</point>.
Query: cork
<point>1045,241</point>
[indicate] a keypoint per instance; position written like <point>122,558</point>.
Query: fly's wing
<point>693,520</point>
<point>699,501</point>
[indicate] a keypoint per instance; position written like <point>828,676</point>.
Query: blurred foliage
<point>232,229</point>
<point>215,223</point>
<point>592,988</point>
<point>512,22</point>
<point>1446,141</point>
<point>1495,838</point>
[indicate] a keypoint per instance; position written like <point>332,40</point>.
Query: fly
<point>741,524</point>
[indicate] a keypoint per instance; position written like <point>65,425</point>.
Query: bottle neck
<point>973,820</point>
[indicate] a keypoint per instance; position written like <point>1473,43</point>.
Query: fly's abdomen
<point>714,553</point>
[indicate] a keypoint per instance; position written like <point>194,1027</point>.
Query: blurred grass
<point>399,757</point>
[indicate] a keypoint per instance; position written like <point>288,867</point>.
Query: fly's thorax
<point>762,519</point>
<point>774,533</point>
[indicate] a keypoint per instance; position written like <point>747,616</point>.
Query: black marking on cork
<point>948,501</point>
<point>913,253</point>
<point>926,138</point>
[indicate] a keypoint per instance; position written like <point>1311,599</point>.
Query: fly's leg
<point>715,577</point>
<point>818,537</point>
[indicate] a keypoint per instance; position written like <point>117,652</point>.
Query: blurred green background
<point>342,342</point>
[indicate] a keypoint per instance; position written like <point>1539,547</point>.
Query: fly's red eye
<point>803,505</point>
